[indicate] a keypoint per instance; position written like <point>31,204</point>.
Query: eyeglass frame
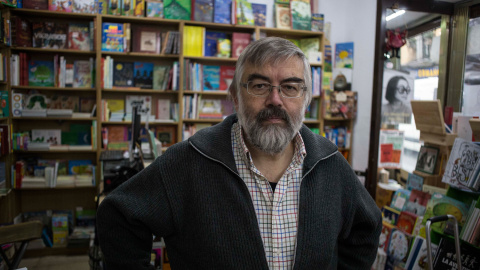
<point>304,88</point>
<point>403,90</point>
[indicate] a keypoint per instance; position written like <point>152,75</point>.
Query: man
<point>260,191</point>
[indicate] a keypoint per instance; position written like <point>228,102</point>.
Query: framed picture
<point>427,158</point>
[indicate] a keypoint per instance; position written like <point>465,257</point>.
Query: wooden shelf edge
<point>24,87</point>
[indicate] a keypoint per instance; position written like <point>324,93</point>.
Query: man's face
<point>270,123</point>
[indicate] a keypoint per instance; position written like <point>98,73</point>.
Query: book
<point>308,45</point>
<point>166,135</point>
<point>143,102</point>
<point>224,48</point>
<point>222,11</point>
<point>127,7</point>
<point>418,256</point>
<point>203,10</point>
<point>463,165</point>
<point>317,22</point>
<point>41,73</point>
<point>244,13</point>
<point>211,45</point>
<point>49,35</point>
<point>82,71</point>
<point>282,16</point>
<point>390,215</point>
<point>400,199</point>
<point>211,78</point>
<point>344,55</point>
<point>123,74</point>
<point>193,40</point>
<point>385,235</point>
<point>414,182</point>
<point>154,9</point>
<point>226,77</point>
<point>21,31</point>
<point>259,14</point>
<point>143,75</point>
<point>146,39</point>
<point>239,42</point>
<point>58,5</point>
<point>64,102</point>
<point>177,9</point>
<point>79,36</point>
<point>84,6</point>
<point>83,166</point>
<point>114,7</point>
<point>35,4</point>
<point>406,221</point>
<point>301,14</point>
<point>4,104</point>
<point>417,202</point>
<point>210,109</point>
<point>399,245</point>
<point>445,259</point>
<point>160,77</point>
<point>439,205</point>
<point>139,8</point>
<point>36,102</point>
<point>51,136</point>
<point>163,109</point>
<point>112,37</point>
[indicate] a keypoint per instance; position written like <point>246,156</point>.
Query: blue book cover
<point>211,78</point>
<point>41,73</point>
<point>79,167</point>
<point>112,37</point>
<point>211,42</point>
<point>203,10</point>
<point>259,13</point>
<point>143,75</point>
<point>222,11</point>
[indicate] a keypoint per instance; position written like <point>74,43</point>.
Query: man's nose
<point>274,97</point>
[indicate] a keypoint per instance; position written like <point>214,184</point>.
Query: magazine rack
<point>429,120</point>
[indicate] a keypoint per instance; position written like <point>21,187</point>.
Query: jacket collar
<point>216,143</point>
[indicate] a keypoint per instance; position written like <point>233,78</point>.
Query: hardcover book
<point>417,202</point>
<point>21,31</point>
<point>399,245</point>
<point>83,166</point>
<point>58,5</point>
<point>439,205</point>
<point>301,14</point>
<point>143,75</point>
<point>211,42</point>
<point>414,182</point>
<point>224,47</point>
<point>166,135</point>
<point>203,10</point>
<point>123,74</point>
<point>112,37</point>
<point>49,35</point>
<point>177,9</point>
<point>463,164</point>
<point>163,109</point>
<point>222,11</point>
<point>406,221</point>
<point>226,76</point>
<point>282,16</point>
<point>211,78</point>
<point>240,42</point>
<point>145,39</point>
<point>400,198</point>
<point>84,6</point>
<point>64,103</point>
<point>244,13</point>
<point>51,136</point>
<point>417,259</point>
<point>210,109</point>
<point>160,77</point>
<point>390,215</point>
<point>41,73</point>
<point>154,9</point>
<point>79,36</point>
<point>259,14</point>
<point>385,235</point>
<point>82,71</point>
<point>445,257</point>
<point>143,102</point>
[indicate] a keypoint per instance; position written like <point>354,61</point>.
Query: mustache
<point>273,111</point>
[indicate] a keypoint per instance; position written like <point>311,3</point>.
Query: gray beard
<point>271,138</point>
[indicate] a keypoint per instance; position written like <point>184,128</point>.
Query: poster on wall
<point>397,93</point>
<point>391,148</point>
<point>344,55</point>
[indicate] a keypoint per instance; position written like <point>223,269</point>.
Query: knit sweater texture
<point>193,197</point>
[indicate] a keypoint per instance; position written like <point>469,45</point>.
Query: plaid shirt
<point>277,212</point>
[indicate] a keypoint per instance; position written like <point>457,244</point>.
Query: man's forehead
<point>293,66</point>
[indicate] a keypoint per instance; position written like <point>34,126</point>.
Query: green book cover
<point>245,13</point>
<point>301,14</point>
<point>160,76</point>
<point>177,9</point>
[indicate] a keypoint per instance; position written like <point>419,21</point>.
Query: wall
<point>355,21</point>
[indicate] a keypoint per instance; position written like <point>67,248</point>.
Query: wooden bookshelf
<point>140,91</point>
<point>51,118</point>
<point>209,93</point>
<point>62,89</point>
<point>53,51</point>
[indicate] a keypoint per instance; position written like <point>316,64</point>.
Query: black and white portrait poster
<point>396,95</point>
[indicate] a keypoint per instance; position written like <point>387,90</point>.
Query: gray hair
<point>272,51</point>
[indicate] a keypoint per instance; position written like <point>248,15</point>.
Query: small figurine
<point>395,40</point>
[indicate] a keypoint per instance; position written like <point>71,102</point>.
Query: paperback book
<point>203,10</point>
<point>41,73</point>
<point>49,35</point>
<point>82,71</point>
<point>211,78</point>
<point>143,75</point>
<point>260,14</point>
<point>177,9</point>
<point>222,11</point>
<point>123,74</point>
<point>112,37</point>
<point>301,14</point>
<point>79,36</point>
<point>244,13</point>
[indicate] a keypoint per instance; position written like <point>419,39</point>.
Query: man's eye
<point>260,86</point>
<point>289,87</point>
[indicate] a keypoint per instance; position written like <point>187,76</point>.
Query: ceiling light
<point>396,14</point>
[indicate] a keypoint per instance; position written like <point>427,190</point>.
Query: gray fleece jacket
<point>193,197</point>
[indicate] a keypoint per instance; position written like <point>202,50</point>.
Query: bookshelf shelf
<point>55,51</point>
<point>222,26</point>
<point>3,118</point>
<point>55,251</point>
<point>3,83</point>
<point>140,91</point>
<point>140,20</point>
<point>289,32</point>
<point>202,120</point>
<point>56,14</point>
<point>212,59</point>
<point>311,121</point>
<point>210,93</point>
<point>156,123</point>
<point>315,65</point>
<point>50,118</point>
<point>66,151</point>
<point>336,119</point>
<point>146,55</point>
<point>53,189</point>
<point>63,89</point>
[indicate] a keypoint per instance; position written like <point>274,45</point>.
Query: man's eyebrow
<point>292,79</point>
<point>255,76</point>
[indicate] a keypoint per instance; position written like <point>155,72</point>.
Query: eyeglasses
<point>404,90</point>
<point>287,90</point>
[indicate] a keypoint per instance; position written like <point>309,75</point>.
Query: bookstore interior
<point>92,91</point>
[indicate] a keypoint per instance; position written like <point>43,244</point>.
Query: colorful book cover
<point>240,42</point>
<point>259,14</point>
<point>244,13</point>
<point>86,104</point>
<point>418,257</point>
<point>317,22</point>
<point>282,16</point>
<point>222,11</point>
<point>139,8</point>
<point>211,78</point>
<point>177,9</point>
<point>79,167</point>
<point>390,215</point>
<point>385,235</point>
<point>308,45</point>
<point>193,40</point>
<point>4,101</point>
<point>79,36</point>
<point>143,75</point>
<point>112,37</point>
<point>400,199</point>
<point>84,6</point>
<point>49,35</point>
<point>41,73</point>
<point>327,58</point>
<point>414,182</point>
<point>115,7</point>
<point>123,74</point>
<point>344,55</point>
<point>203,10</point>
<point>462,164</point>
<point>417,202</point>
<point>116,105</point>
<point>154,9</point>
<point>224,48</point>
<point>166,135</point>
<point>51,136</point>
<point>210,108</point>
<point>226,76</point>
<point>440,205</point>
<point>399,245</point>
<point>128,7</point>
<point>160,77</point>
<point>406,221</point>
<point>211,45</point>
<point>102,7</point>
<point>301,14</point>
<point>82,71</point>
<point>58,5</point>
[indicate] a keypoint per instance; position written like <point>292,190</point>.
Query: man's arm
<point>129,216</point>
<point>358,243</point>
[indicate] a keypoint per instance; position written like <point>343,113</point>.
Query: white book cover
<point>463,162</point>
<point>51,136</point>
<point>145,103</point>
<point>163,109</point>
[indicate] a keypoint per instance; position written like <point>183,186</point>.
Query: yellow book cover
<point>116,105</point>
<point>193,37</point>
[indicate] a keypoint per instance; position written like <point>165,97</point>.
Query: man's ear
<point>233,95</point>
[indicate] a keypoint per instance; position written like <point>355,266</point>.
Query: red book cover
<point>36,4</point>
<point>226,76</point>
<point>448,115</point>
<point>22,32</point>
<point>406,221</point>
<point>22,80</point>
<point>385,235</point>
<point>19,172</point>
<point>239,43</point>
